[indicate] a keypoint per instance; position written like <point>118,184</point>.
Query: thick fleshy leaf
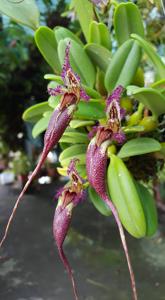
<point>98,203</point>
<point>62,33</point>
<point>72,151</point>
<point>123,65</point>
<point>24,12</point>
<point>47,44</point>
<point>81,159</point>
<point>151,98</point>
<point>80,61</point>
<point>100,34</point>
<point>159,85</point>
<point>135,128</point>
<point>125,197</point>
<point>53,101</point>
<point>79,137</point>
<point>127,20</point>
<point>54,77</point>
<point>74,137</point>
<point>99,55</point>
<point>85,14</point>
<point>80,123</point>
<point>139,78</point>
<point>149,207</point>
<point>139,146</point>
<point>35,112</point>
<point>40,126</point>
<point>151,52</point>
<point>92,110</point>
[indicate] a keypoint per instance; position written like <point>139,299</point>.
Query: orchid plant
<point>103,115</point>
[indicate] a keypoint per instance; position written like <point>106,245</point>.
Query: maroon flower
<point>96,163</point>
<point>69,197</point>
<point>62,115</point>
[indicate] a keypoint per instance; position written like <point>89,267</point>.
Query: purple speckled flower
<point>71,80</point>
<point>62,115</point>
<point>96,164</point>
<point>69,197</point>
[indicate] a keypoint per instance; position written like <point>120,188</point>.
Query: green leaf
<point>125,197</point>
<point>149,208</point>
<point>75,136</point>
<point>159,85</point>
<point>99,55</point>
<point>92,110</point>
<point>127,20</point>
<point>35,112</point>
<point>99,34</point>
<point>47,44</point>
<point>139,146</point>
<point>53,101</point>
<point>80,61</point>
<point>40,126</point>
<point>135,128</point>
<point>61,33</point>
<point>81,157</point>
<point>25,12</point>
<point>151,52</point>
<point>85,14</point>
<point>151,98</point>
<point>98,203</point>
<point>80,123</point>
<point>139,78</point>
<point>91,92</point>
<point>72,151</point>
<point>123,65</point>
<point>54,77</point>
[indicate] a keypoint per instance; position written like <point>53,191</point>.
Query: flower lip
<point>103,134</point>
<point>68,99</point>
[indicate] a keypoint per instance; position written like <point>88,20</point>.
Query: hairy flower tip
<point>59,193</point>
<point>59,90</point>
<point>93,132</point>
<point>119,137</point>
<point>116,95</point>
<point>70,78</point>
<point>83,95</point>
<point>72,82</point>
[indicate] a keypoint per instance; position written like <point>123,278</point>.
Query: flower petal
<point>59,90</point>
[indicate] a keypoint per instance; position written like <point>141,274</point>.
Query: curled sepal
<point>70,79</point>
<point>114,100</point>
<point>115,114</point>
<point>69,197</point>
